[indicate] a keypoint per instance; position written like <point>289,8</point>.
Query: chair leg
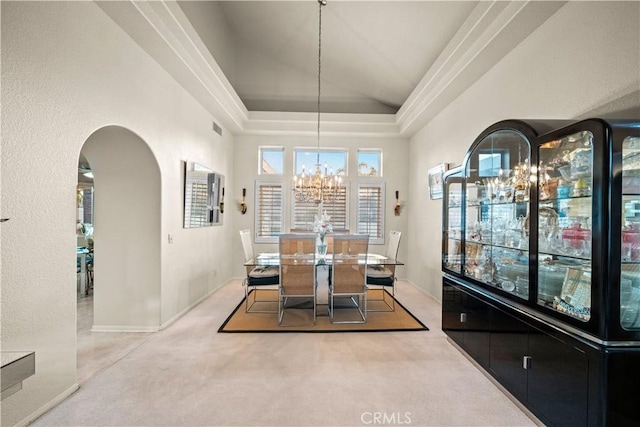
<point>385,300</point>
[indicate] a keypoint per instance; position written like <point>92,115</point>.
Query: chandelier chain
<point>320,4</point>
<point>322,185</point>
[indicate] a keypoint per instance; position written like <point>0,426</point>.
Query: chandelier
<point>322,185</point>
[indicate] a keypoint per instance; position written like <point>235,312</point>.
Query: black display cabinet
<point>541,262</point>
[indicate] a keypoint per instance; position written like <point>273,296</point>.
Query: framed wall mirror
<point>203,196</point>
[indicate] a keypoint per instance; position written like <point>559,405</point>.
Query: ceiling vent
<point>217,129</point>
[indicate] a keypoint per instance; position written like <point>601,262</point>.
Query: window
<point>370,214</point>
<point>491,162</point>
<point>269,211</point>
<point>271,161</point>
<point>369,163</point>
<point>335,160</point>
<point>303,213</point>
<point>87,205</point>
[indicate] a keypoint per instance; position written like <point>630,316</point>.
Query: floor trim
<point>47,406</point>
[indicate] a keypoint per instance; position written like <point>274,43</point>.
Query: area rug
<point>300,318</point>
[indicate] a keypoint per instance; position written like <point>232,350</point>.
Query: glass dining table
<point>273,259</point>
<point>270,259</point>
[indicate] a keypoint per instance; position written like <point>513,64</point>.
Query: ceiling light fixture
<point>85,171</point>
<point>321,186</point>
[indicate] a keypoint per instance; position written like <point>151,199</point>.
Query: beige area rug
<point>299,318</point>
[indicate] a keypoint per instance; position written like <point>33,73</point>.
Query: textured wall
<point>583,61</point>
<point>68,70</point>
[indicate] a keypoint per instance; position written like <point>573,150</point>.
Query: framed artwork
<point>435,180</point>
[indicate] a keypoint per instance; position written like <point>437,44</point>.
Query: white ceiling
<point>388,67</point>
<point>374,54</point>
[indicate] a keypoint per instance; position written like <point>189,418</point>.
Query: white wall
<point>395,174</point>
<point>68,70</point>
<point>583,61</point>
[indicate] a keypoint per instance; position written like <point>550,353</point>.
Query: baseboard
<point>192,305</point>
<point>48,406</point>
<point>124,328</point>
<point>438,300</point>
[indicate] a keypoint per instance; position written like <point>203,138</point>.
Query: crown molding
<point>490,32</point>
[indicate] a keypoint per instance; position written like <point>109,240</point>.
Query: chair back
<point>394,244</point>
<point>247,246</point>
<point>349,268</point>
<point>297,264</point>
<point>82,242</point>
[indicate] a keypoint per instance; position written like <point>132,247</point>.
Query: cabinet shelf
<point>552,201</point>
<point>504,203</point>
<point>495,245</point>
<point>552,254</point>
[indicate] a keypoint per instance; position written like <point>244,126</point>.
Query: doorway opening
<point>118,220</point>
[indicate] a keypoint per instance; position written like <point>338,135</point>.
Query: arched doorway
<point>127,242</point>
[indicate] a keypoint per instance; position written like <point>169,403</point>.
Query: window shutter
<point>370,216</point>
<point>196,204</point>
<point>304,212</point>
<point>269,211</point>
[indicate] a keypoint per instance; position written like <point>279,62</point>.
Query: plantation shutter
<point>269,211</point>
<point>370,215</point>
<point>304,212</point>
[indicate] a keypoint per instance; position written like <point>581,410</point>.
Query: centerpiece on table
<point>322,226</point>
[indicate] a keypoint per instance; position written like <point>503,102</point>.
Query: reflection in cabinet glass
<point>565,180</point>
<point>630,251</point>
<point>497,181</point>
<point>452,237</point>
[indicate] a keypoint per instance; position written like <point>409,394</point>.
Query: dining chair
<point>383,277</point>
<point>348,275</point>
<point>258,278</point>
<point>89,267</point>
<point>297,271</point>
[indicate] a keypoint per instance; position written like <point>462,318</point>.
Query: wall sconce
<point>222,202</point>
<point>397,208</point>
<point>243,205</point>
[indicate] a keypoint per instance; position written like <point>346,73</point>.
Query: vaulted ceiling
<point>388,67</point>
<point>374,54</point>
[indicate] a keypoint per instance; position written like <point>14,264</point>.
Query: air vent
<point>217,129</point>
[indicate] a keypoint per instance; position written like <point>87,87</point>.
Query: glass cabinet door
<point>452,250</point>
<point>496,212</point>
<point>565,179</point>
<point>630,269</point>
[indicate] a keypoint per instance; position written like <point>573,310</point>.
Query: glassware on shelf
<point>549,188</point>
<point>547,228</point>
<point>581,163</point>
<point>566,166</point>
<point>630,268</point>
<point>550,280</point>
<point>631,243</point>
<point>630,299</point>
<point>565,190</point>
<point>576,240</point>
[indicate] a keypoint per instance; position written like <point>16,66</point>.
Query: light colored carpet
<point>190,375</point>
<point>300,316</point>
